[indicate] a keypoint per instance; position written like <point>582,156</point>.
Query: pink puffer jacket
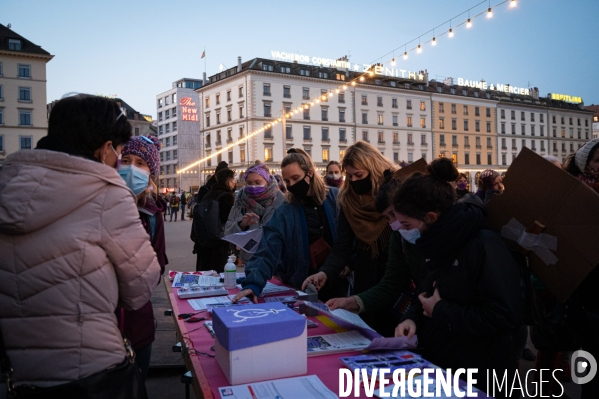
<point>72,249</point>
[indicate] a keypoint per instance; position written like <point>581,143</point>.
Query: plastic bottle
<point>230,274</point>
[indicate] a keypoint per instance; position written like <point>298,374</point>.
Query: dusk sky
<point>136,49</point>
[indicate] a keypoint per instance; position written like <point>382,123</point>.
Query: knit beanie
<point>583,154</point>
<point>147,148</point>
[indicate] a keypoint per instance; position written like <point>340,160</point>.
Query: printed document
<point>288,388</point>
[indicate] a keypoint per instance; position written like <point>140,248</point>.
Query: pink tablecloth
<point>209,372</point>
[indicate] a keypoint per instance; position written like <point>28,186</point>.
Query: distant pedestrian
<point>183,203</point>
<point>174,202</point>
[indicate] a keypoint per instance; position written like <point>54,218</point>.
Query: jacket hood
<point>38,187</point>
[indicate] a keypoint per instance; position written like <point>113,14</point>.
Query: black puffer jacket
<point>479,284</point>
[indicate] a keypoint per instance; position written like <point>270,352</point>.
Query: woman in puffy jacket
<point>72,245</point>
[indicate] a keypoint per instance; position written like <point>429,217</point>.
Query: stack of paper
<point>336,343</point>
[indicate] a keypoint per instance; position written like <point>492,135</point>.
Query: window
<point>175,156</point>
<point>324,111</point>
<point>341,97</point>
<point>167,142</point>
<point>307,134</point>
<point>466,141</point>
<point>453,109</point>
<point>174,112</point>
<point>228,95</point>
<point>241,111</point>
<point>477,126</point>
<point>240,91</point>
<point>304,72</point>
<point>207,120</point>
<point>379,101</point>
<point>266,89</point>
<point>476,111</point>
<point>175,139</point>
<point>1,121</point>
<point>229,136</point>
<point>513,115</point>
<point>488,112</point>
<point>532,116</point>
<point>478,142</point>
<point>24,71</point>
<point>218,138</point>
<point>159,116</point>
<point>342,115</point>
<point>166,100</point>
<point>14,44</point>
<point>267,154</point>
<point>218,118</point>
<point>441,123</point>
<point>325,134</point>
<point>381,138</point>
<point>240,131</point>
<point>340,76</point>
<point>422,106</point>
<point>489,159</point>
<point>394,118</point>
<point>266,110</point>
<point>305,93</point>
<point>323,75</point>
<point>364,118</point>
<point>167,114</point>
<point>422,123</point>
<point>489,142</point>
<point>365,136</point>
<point>364,100</point>
<point>542,129</point>
<point>325,154</point>
<point>503,145</point>
<point>394,103</point>
<point>25,94</point>
<point>306,112</point>
<point>571,133</point>
<point>267,67</point>
<point>423,139</point>
<point>563,132</point>
<point>532,130</point>
<point>467,159</point>
<point>217,99</point>
<point>488,127</point>
<point>410,157</point>
<point>579,134</point>
<point>267,132</point>
<point>409,121</point>
<point>24,142</point>
<point>395,138</point>
<point>396,157</point>
<point>284,69</point>
<point>513,128</point>
<point>442,140</point>
<point>410,139</point>
<point>207,102</point>
<point>287,91</point>
<point>1,91</point>
<point>342,137</point>
<point>522,116</point>
<point>454,141</point>
<point>242,155</point>
<point>466,124</point>
<point>174,98</point>
<point>503,114</point>
<point>379,119</point>
<point>542,118</point>
<point>409,104</point>
<point>441,108</point>
<point>478,159</point>
<point>454,124</point>
<point>465,110</point>
<point>523,143</point>
<point>503,127</point>
<point>24,118</point>
<point>230,156</point>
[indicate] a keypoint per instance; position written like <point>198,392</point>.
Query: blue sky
<point>136,49</point>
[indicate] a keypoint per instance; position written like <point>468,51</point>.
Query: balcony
<point>395,142</point>
<point>208,145</point>
<point>478,147</point>
<point>503,148</point>
<point>442,144</point>
<point>411,144</point>
<point>454,145</point>
<point>306,117</point>
<point>466,145</point>
<point>218,143</point>
<point>341,119</point>
<point>343,140</point>
<point>423,145</point>
<point>395,124</point>
<point>229,140</point>
<point>287,95</point>
<point>381,142</point>
<point>325,119</point>
<point>514,148</point>
<point>289,138</point>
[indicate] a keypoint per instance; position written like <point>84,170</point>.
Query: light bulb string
<point>360,77</point>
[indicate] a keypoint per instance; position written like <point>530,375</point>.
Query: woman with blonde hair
<point>298,238</point>
<point>362,229</point>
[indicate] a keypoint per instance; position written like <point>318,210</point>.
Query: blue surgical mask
<point>411,235</point>
<point>136,179</point>
<point>395,225</point>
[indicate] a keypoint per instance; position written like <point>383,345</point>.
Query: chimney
<point>204,79</point>
<point>238,64</point>
<point>535,93</point>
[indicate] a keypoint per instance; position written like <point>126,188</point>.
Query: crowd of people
<point>410,253</point>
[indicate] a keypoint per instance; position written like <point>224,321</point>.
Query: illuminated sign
<point>189,112</point>
<point>506,88</point>
<point>566,98</point>
<point>147,118</point>
<point>344,64</point>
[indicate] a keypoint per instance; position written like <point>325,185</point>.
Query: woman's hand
<point>248,219</point>
<point>243,293</point>
<point>318,280</point>
<point>406,328</point>
<point>428,304</point>
<point>344,303</point>
<point>345,272</point>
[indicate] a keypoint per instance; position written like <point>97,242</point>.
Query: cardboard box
<point>538,191</point>
<point>260,342</point>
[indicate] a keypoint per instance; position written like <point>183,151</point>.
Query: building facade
<point>178,126</point>
<point>595,129</point>
<point>393,114</point>
<point>22,93</point>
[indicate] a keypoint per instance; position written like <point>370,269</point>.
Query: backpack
<point>174,201</point>
<point>209,229</point>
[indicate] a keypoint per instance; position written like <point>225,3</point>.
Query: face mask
<point>462,186</point>
<point>411,235</point>
<point>300,189</point>
<point>118,159</point>
<point>136,179</point>
<point>395,225</point>
<point>361,186</point>
<point>592,171</point>
<point>335,176</point>
<point>255,191</point>
<point>333,182</point>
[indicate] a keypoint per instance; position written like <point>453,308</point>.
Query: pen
<point>209,328</point>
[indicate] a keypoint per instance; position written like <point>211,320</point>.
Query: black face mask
<point>300,188</point>
<point>361,186</point>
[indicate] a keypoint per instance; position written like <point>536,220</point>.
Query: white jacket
<point>72,248</point>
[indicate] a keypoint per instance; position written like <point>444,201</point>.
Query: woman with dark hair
<point>255,204</point>
<point>333,175</point>
<point>461,186</point>
<point>297,239</point>
<point>66,264</point>
<point>469,297</point>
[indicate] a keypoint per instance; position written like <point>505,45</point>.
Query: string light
<point>353,82</point>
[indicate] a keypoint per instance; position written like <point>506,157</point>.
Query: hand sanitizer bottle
<point>230,274</point>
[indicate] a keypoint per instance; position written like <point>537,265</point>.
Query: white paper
<point>201,303</point>
<point>246,240</point>
<point>288,388</point>
<point>335,343</point>
<point>195,279</point>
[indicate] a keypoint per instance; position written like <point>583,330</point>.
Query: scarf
<point>590,181</point>
<point>258,204</point>
<point>370,226</point>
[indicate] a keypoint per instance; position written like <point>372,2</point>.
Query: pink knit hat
<point>147,148</point>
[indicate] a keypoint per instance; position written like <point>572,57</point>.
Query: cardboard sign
<point>538,191</point>
<point>416,167</point>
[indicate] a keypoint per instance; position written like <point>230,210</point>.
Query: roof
<point>26,45</point>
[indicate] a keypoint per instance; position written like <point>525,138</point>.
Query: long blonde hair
<point>364,156</point>
<point>317,185</point>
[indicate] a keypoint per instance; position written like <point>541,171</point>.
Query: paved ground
<point>164,379</point>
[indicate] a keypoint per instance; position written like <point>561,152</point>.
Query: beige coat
<point>72,249</point>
